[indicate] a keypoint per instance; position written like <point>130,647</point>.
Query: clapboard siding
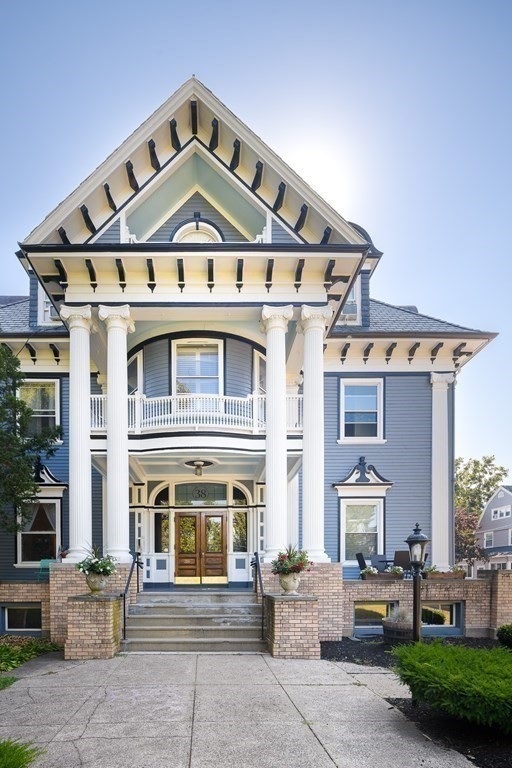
<point>280,235</point>
<point>365,299</point>
<point>405,458</point>
<point>112,234</point>
<point>197,204</point>
<point>34,296</point>
<point>157,369</point>
<point>238,368</point>
<point>97,509</point>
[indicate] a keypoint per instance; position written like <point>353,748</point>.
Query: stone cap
<point>288,598</point>
<point>105,598</point>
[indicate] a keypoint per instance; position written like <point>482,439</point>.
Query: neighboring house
<point>223,379</point>
<point>494,532</point>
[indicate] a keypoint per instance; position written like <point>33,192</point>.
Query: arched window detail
<point>197,231</point>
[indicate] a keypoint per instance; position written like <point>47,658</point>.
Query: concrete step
<point>198,609</point>
<point>173,597</point>
<point>194,645</point>
<point>175,633</point>
<point>193,620</point>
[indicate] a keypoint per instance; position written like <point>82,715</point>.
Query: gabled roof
<point>193,115</point>
<point>15,321</point>
<point>5,300</point>
<point>388,319</point>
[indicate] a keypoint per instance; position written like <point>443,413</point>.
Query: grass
<point>16,650</point>
<point>16,755</point>
<point>5,682</point>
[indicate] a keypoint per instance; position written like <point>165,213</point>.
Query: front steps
<point>206,621</point>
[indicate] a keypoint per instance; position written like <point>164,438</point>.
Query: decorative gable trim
<point>363,481</point>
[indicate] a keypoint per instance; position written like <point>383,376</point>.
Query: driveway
<point>213,711</point>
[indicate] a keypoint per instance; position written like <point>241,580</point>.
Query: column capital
<point>315,317</point>
<point>276,317</point>
<point>78,317</point>
<point>117,317</point>
<point>441,380</point>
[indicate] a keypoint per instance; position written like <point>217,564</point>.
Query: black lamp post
<point>416,542</point>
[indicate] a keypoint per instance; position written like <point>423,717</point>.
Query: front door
<point>201,547</point>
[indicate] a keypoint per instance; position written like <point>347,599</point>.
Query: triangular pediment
<point>193,126</point>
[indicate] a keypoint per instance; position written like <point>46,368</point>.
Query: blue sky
<point>399,113</point>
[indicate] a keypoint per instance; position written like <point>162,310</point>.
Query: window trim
<point>196,225</point>
<point>501,513</point>
<point>219,343</point>
<point>140,370</point>
<point>42,298</point>
<point>491,534</point>
<point>33,380</point>
<point>8,607</point>
<point>380,438</point>
<point>258,358</point>
<point>357,298</point>
<point>42,499</point>
<point>356,501</point>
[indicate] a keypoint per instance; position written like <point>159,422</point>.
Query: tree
<point>475,482</point>
<point>20,447</point>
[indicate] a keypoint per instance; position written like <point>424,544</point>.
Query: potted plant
<point>397,627</point>
<point>455,572</point>
<point>392,573</point>
<point>289,566</point>
<point>97,570</point>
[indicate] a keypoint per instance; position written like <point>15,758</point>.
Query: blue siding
<point>197,204</point>
<point>157,369</point>
<point>280,235</point>
<point>365,299</point>
<point>238,366</point>
<point>34,288</point>
<point>112,234</point>
<point>405,459</point>
<point>97,509</point>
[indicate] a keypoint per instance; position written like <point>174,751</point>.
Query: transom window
<point>40,537</point>
<point>42,397</point>
<point>197,368</point>
<point>201,494</point>
<point>361,410</point>
<point>361,526</point>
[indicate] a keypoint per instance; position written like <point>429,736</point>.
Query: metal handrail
<point>255,563</point>
<point>135,562</point>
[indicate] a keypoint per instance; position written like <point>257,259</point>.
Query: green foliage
<point>19,447</point>
<point>13,754</point>
<point>5,682</point>
<point>15,651</point>
<point>504,635</point>
<point>475,482</point>
<point>94,563</point>
<point>432,616</point>
<point>467,683</point>
<point>292,560</point>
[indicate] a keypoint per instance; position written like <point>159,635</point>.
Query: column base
<point>318,555</point>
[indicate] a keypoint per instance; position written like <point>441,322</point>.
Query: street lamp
<point>417,541</point>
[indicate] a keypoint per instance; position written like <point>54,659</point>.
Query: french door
<point>201,547</point>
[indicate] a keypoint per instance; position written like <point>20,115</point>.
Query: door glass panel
<point>213,534</point>
<point>161,532</point>
<point>187,535</point>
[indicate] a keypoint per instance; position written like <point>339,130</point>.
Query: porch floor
<point>208,711</point>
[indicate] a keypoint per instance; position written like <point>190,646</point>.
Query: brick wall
<point>28,592</point>
<point>94,627</point>
<point>501,599</point>
<point>66,581</point>
<point>292,626</point>
<point>323,581</point>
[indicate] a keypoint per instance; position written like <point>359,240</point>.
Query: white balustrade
<point>197,412</point>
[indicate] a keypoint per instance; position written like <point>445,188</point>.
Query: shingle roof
<point>507,488</point>
<point>5,300</point>
<point>388,318</point>
<point>14,319</point>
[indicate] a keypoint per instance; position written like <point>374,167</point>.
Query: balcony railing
<point>197,412</point>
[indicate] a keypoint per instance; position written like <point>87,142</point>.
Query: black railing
<point>135,562</point>
<point>255,563</point>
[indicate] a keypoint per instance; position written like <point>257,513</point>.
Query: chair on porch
<point>44,569</point>
<point>361,561</point>
<point>380,562</point>
<point>403,559</point>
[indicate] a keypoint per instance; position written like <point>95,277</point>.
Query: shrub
<point>16,755</point>
<point>15,651</point>
<point>432,616</point>
<point>467,683</point>
<point>504,635</point>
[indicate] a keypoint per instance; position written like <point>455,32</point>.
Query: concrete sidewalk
<point>213,711</point>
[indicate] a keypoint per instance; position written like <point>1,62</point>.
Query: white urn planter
<point>97,582</point>
<point>289,583</point>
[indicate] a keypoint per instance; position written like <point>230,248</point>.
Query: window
<point>361,527</point>
<point>260,374</point>
<point>47,314</point>
<point>197,368</point>
<point>361,410</point>
<point>510,536</point>
<point>239,531</point>
<point>371,614</point>
<point>40,537</point>
<point>197,232</point>
<point>23,618</point>
<point>500,513</point>
<point>201,494</point>
<point>440,614</point>
<point>351,309</point>
<point>135,374</point>
<point>42,396</point>
<point>488,539</point>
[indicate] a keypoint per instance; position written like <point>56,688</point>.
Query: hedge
<point>467,683</point>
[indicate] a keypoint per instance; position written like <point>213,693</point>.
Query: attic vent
<point>409,308</point>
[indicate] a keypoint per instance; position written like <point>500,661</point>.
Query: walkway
<point>212,711</point>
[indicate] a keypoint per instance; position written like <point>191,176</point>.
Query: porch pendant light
<point>198,468</point>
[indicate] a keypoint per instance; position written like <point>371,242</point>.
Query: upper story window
<point>361,410</point>
<point>46,313</point>
<point>42,396</point>
<point>260,374</point>
<point>351,314</point>
<point>197,231</point>
<point>500,512</point>
<point>135,374</point>
<point>197,368</point>
<point>488,539</point>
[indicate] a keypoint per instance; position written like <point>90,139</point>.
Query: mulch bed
<point>484,747</point>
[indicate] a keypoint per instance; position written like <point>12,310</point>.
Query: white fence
<point>197,412</point>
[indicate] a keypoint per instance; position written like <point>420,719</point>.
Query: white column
<point>119,324</point>
<point>440,546</point>
<point>275,321</point>
<point>313,321</point>
<point>80,496</point>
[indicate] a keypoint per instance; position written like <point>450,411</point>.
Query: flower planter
<point>382,576</point>
<point>97,583</point>
<point>289,583</point>
<point>445,575</point>
<point>396,631</point>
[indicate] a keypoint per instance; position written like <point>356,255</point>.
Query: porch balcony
<point>197,412</point>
